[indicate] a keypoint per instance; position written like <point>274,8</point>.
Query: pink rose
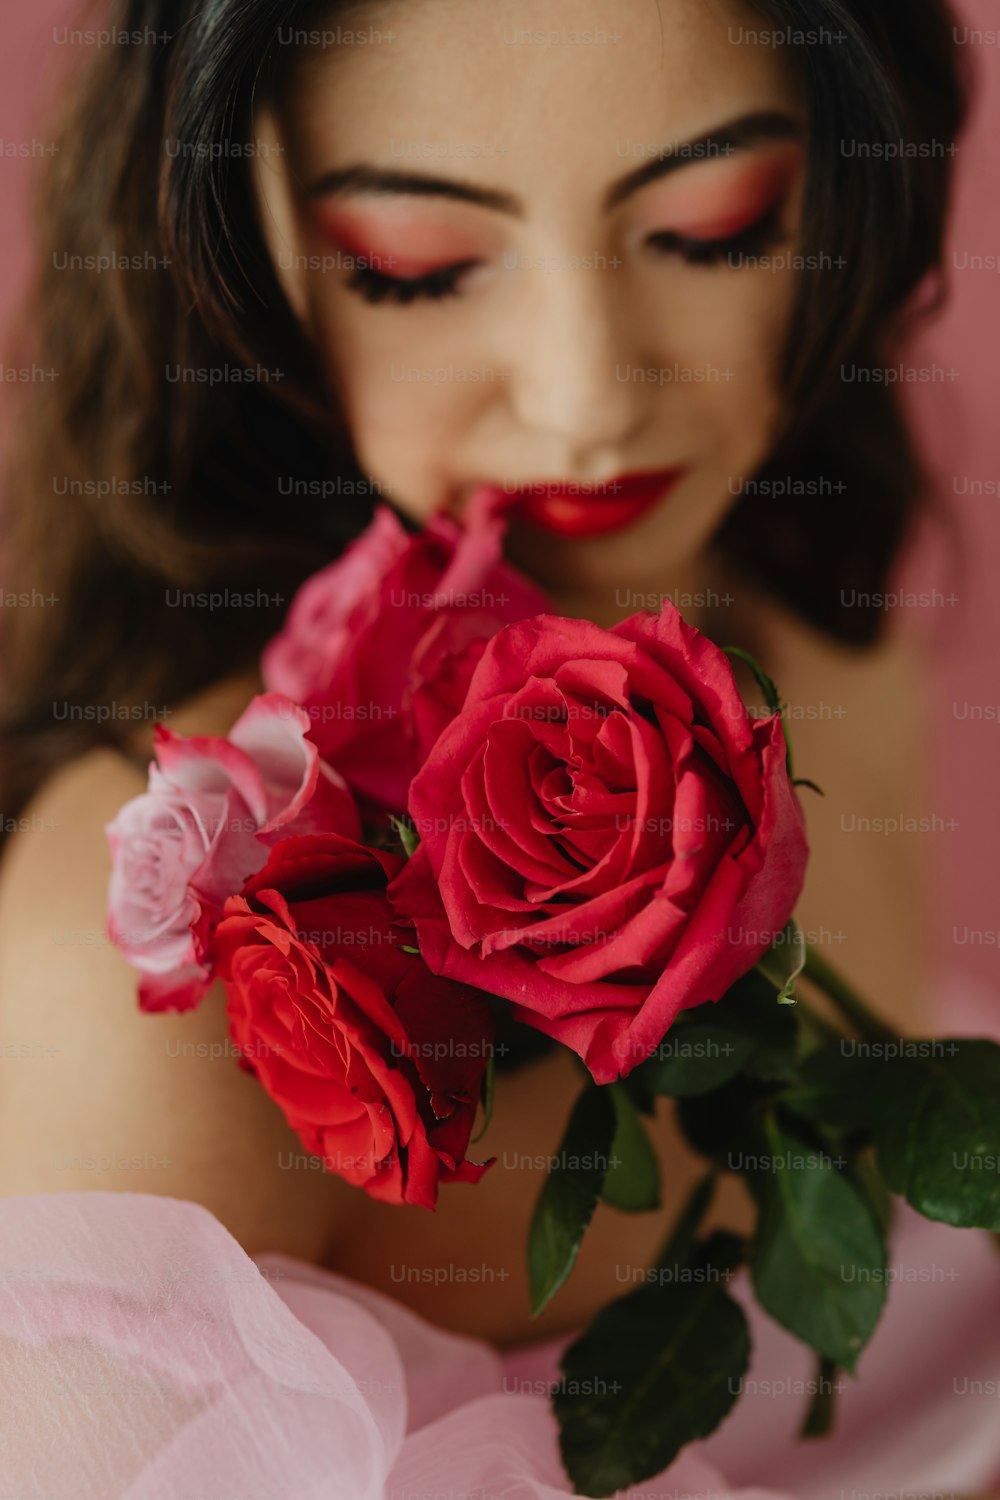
<point>213,808</point>
<point>607,836</point>
<point>375,1062</point>
<point>379,646</point>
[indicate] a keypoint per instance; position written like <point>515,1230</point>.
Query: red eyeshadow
<point>394,239</point>
<point>725,198</point>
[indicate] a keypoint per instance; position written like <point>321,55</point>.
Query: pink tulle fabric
<point>145,1356</point>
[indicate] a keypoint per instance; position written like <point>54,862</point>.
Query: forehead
<point>560,92</point>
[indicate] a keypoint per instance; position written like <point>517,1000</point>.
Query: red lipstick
<point>585,510</point>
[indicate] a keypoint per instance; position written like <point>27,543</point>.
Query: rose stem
<point>848,1001</point>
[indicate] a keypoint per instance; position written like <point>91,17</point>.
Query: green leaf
<point>697,1056</point>
<point>655,1370</point>
<point>679,1247</point>
<point>632,1181</point>
<point>937,1130</point>
<point>711,1044</point>
<point>864,1173</point>
<point>489,1080</point>
<point>838,1085</point>
<point>838,1088</point>
<point>406,948</point>
<point>784,961</point>
<point>408,836</point>
<point>719,1125</point>
<point>569,1195</point>
<point>818,1261</point>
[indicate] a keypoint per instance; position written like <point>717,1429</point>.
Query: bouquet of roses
<point>453,811</point>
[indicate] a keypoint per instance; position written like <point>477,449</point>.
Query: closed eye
<point>375,286</point>
<point>758,237</point>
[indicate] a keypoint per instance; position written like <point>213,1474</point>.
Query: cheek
<point>406,414</point>
<point>379,352</point>
<point>730,328</point>
<point>729,331</point>
<point>741,315</point>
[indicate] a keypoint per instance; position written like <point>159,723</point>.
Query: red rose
<point>607,836</point>
<point>374,1061</point>
<point>379,646</point>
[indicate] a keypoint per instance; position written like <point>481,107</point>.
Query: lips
<point>575,509</point>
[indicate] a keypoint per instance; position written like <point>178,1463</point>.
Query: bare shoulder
<point>97,1095</point>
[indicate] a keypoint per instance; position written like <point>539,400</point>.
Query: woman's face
<point>472,217</point>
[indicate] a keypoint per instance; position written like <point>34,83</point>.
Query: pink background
<point>960,422</point>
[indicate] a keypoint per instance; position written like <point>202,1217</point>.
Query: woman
<point>644,263</point>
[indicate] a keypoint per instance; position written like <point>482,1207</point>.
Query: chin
<point>649,557</point>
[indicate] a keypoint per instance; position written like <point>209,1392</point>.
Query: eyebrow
<point>723,140</point>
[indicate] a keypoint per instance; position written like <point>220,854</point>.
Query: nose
<point>569,365</point>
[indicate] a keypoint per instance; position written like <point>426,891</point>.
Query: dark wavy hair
<point>193,469</point>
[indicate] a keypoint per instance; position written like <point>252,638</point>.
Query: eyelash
<point>757,237</point>
<point>375,287</point>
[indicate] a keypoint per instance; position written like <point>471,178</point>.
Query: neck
<point>706,590</point>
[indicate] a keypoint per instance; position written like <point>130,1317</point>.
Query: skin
<point>556,410</point>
